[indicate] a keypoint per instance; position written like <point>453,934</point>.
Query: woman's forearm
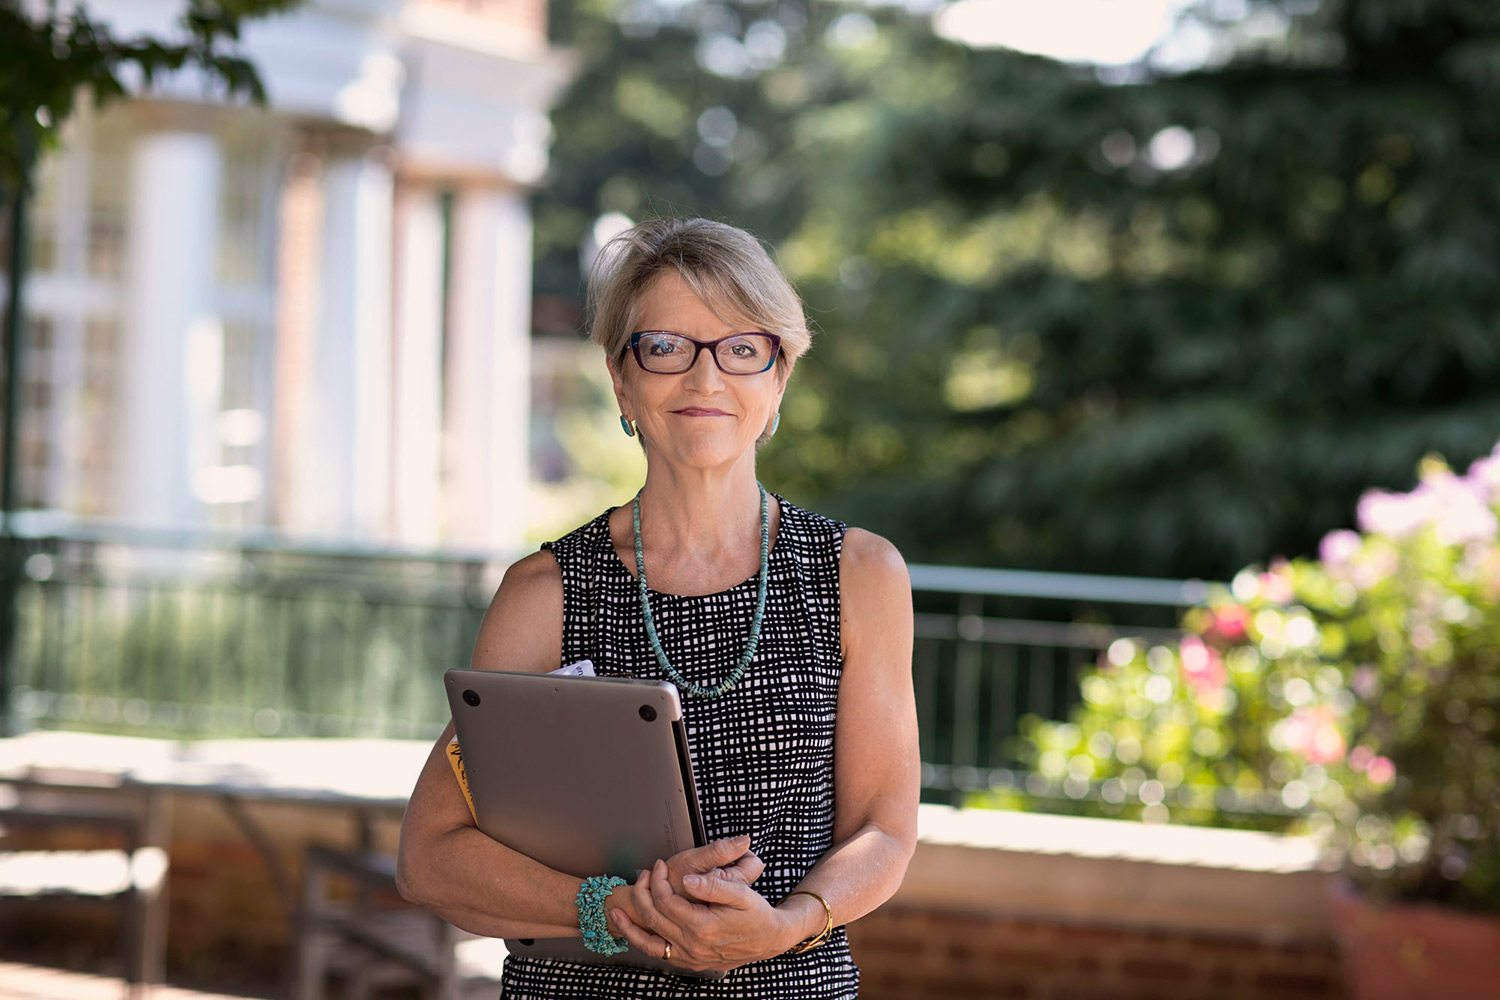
<point>486,888</point>
<point>855,876</point>
<point>486,925</point>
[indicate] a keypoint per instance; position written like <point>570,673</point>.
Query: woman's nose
<point>705,371</point>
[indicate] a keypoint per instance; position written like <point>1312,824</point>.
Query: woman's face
<point>701,418</point>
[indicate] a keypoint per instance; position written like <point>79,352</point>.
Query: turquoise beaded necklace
<point>687,687</point>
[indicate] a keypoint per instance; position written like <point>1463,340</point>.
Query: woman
<point>800,712</point>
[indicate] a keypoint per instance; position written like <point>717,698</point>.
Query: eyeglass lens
<point>672,353</point>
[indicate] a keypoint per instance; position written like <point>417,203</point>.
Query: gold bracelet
<point>822,936</point>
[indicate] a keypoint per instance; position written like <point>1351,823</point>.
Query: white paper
<point>583,668</point>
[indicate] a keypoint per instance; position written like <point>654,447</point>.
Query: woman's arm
<point>876,761</point>
<point>445,863</point>
<point>877,777</point>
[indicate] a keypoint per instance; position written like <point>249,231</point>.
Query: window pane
<point>246,203</point>
<point>109,192</point>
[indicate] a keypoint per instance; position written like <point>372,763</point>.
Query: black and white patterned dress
<point>762,752</point>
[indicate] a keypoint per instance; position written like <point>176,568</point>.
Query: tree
<point>1170,326</point>
<point>678,109</point>
<point>1174,326</point>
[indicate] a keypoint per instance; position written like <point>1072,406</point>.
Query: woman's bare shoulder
<point>522,630</point>
<point>870,559</point>
<point>532,576</point>
<point>874,588</point>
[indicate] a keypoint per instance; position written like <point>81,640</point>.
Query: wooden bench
<point>42,817</point>
<point>372,940</point>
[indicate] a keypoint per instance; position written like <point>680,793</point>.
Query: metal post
<point>10,552</point>
<point>966,706</point>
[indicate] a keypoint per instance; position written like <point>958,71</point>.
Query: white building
<point>313,317</point>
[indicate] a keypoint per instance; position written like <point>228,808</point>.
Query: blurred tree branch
<point>48,57</point>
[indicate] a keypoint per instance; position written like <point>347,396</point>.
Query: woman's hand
<point>728,859</point>
<point>731,925</point>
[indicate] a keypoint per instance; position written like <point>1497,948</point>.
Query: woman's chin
<point>706,452</point>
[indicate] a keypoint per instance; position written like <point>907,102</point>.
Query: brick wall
<point>971,919</point>
<point>1057,908</point>
<point>906,952</point>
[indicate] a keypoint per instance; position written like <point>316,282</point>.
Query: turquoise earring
<point>775,423</point>
<point>625,426</point>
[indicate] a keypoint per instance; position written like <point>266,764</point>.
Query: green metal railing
<point>165,634</point>
<point>129,631</point>
<point>993,646</point>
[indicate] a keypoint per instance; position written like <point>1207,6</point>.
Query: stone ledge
<point>1114,872</point>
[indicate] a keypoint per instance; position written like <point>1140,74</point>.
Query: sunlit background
<point>1110,298</point>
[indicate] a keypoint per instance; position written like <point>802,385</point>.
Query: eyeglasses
<point>667,353</point>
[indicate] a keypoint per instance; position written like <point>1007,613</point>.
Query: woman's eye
<point>743,350</point>
<point>660,348</point>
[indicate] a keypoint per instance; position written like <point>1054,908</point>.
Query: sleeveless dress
<point>762,752</point>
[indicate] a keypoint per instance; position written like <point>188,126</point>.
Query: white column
<point>174,214</point>
<point>419,376</point>
<point>348,451</point>
<point>66,427</point>
<point>299,255</point>
<point>489,370</point>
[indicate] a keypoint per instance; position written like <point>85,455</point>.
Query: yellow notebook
<point>456,761</point>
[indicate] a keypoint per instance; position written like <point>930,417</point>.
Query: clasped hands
<point>700,902</point>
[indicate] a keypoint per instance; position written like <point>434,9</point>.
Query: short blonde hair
<point>726,267</point>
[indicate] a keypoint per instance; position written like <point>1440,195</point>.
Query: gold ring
<point>666,955</point>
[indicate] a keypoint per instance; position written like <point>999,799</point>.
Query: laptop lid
<point>588,775</point>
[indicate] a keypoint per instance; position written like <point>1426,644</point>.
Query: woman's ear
<point>783,375</point>
<point>617,381</point>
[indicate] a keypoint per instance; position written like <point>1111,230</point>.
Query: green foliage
<point>45,62</point>
<point>1161,327</point>
<point>1361,690</point>
<point>628,136</point>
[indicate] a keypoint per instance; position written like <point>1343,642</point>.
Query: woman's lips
<point>694,411</point>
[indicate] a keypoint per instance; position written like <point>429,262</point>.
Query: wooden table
<point>369,778</point>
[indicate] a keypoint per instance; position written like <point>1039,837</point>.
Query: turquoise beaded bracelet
<point>591,920</point>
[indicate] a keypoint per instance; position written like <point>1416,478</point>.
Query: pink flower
<point>1314,733</point>
<point>1229,622</point>
<point>1395,515</point>
<point>1337,549</point>
<point>1458,509</point>
<point>1464,515</point>
<point>1203,667</point>
<point>1360,757</point>
<point>1275,584</point>
<point>1485,474</point>
<point>1381,771</point>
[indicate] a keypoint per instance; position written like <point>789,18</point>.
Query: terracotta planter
<point>1414,951</point>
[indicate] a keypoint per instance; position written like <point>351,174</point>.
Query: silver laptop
<point>588,775</point>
